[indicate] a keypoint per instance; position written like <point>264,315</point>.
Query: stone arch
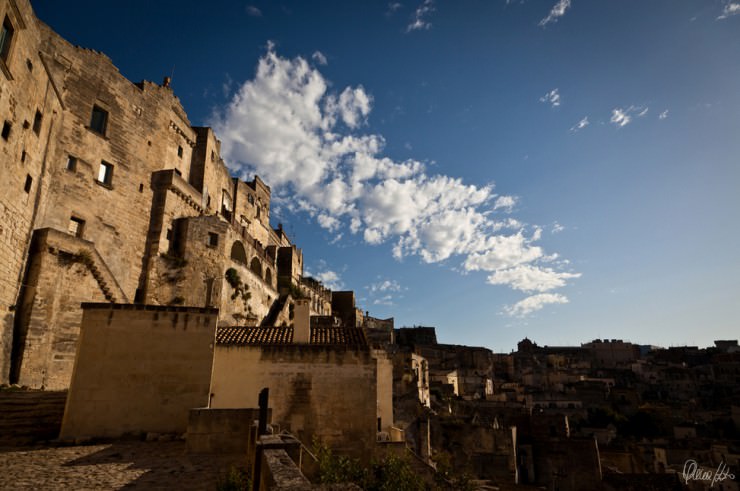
<point>238,253</point>
<point>256,267</point>
<point>268,276</point>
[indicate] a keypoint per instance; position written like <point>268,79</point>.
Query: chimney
<point>302,322</point>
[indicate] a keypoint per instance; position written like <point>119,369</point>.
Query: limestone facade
<point>111,194</point>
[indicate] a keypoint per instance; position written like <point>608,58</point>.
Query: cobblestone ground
<point>119,465</point>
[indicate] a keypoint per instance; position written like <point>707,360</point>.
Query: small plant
<point>83,257</point>
<point>240,289</point>
<point>236,479</point>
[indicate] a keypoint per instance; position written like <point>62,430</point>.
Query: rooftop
<point>261,336</point>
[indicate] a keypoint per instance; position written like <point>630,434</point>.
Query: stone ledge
<point>146,307</point>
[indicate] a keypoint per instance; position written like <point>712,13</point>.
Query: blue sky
<point>561,170</point>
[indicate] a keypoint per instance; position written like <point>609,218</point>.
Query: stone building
<point>110,194</point>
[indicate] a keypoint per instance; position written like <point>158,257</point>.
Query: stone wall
<point>139,369</point>
<point>328,393</point>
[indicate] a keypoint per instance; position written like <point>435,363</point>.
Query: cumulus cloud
<point>557,11</point>
<point>730,9</point>
<point>253,11</point>
<point>319,58</point>
<point>534,303</point>
<point>419,20</point>
<point>330,279</point>
<point>528,278</point>
<point>580,125</point>
<point>305,139</point>
<point>552,98</point>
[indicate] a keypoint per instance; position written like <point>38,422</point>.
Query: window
<point>29,183</point>
<point>23,156</point>
<point>212,239</point>
<point>6,130</point>
<point>105,174</point>
<point>76,226</point>
<point>37,122</point>
<point>6,39</point>
<point>71,163</point>
<point>179,151</point>
<point>99,120</point>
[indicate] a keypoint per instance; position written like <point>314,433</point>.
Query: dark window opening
<point>23,156</point>
<point>71,163</point>
<point>29,182</point>
<point>6,130</point>
<point>99,120</point>
<point>105,173</point>
<point>177,171</point>
<point>212,239</point>
<point>179,151</point>
<point>6,38</point>
<point>169,234</point>
<point>141,187</point>
<point>76,226</point>
<point>29,65</point>
<point>37,122</point>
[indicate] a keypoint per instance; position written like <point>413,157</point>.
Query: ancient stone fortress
<point>110,195</point>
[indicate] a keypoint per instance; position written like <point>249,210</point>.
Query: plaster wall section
<point>31,114</point>
<point>318,392</point>
<point>139,369</point>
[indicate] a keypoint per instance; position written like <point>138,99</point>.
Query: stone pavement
<point>118,465</point>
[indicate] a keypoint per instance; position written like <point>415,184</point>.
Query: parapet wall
<point>139,369</point>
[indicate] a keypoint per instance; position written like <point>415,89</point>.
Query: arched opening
<point>238,253</point>
<point>256,267</point>
<point>268,276</point>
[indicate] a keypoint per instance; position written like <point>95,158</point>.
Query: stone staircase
<point>30,416</point>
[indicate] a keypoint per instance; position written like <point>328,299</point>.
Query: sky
<point>562,170</point>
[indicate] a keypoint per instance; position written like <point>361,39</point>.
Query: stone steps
<point>30,416</point>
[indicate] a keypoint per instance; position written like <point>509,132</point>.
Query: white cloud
<point>557,228</point>
<point>552,98</point>
<point>304,139</point>
<point>419,19</point>
<point>663,115</point>
<point>253,11</point>
<point>392,7</point>
<point>385,286</point>
<point>731,8</point>
<point>330,279</point>
<point>623,117</point>
<point>319,57</point>
<point>558,10</point>
<point>384,300</point>
<point>529,278</point>
<point>534,303</point>
<point>580,125</point>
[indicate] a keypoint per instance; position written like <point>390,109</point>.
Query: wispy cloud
<point>557,228</point>
<point>552,98</point>
<point>622,117</point>
<point>319,58</point>
<point>419,20</point>
<point>385,286</point>
<point>663,115</point>
<point>557,11</point>
<point>730,9</point>
<point>305,139</point>
<point>253,11</point>
<point>534,303</point>
<point>580,125</point>
<point>393,7</point>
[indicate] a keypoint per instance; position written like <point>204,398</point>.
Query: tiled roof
<point>261,336</point>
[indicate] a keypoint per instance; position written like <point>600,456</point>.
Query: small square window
<point>99,120</point>
<point>71,163</point>
<point>6,130</point>
<point>6,39</point>
<point>76,226</point>
<point>179,151</point>
<point>29,183</point>
<point>212,239</point>
<point>105,173</point>
<point>37,119</point>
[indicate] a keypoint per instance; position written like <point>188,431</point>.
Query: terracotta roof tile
<point>260,336</point>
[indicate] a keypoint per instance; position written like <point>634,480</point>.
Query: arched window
<point>238,253</point>
<point>268,276</point>
<point>256,267</point>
